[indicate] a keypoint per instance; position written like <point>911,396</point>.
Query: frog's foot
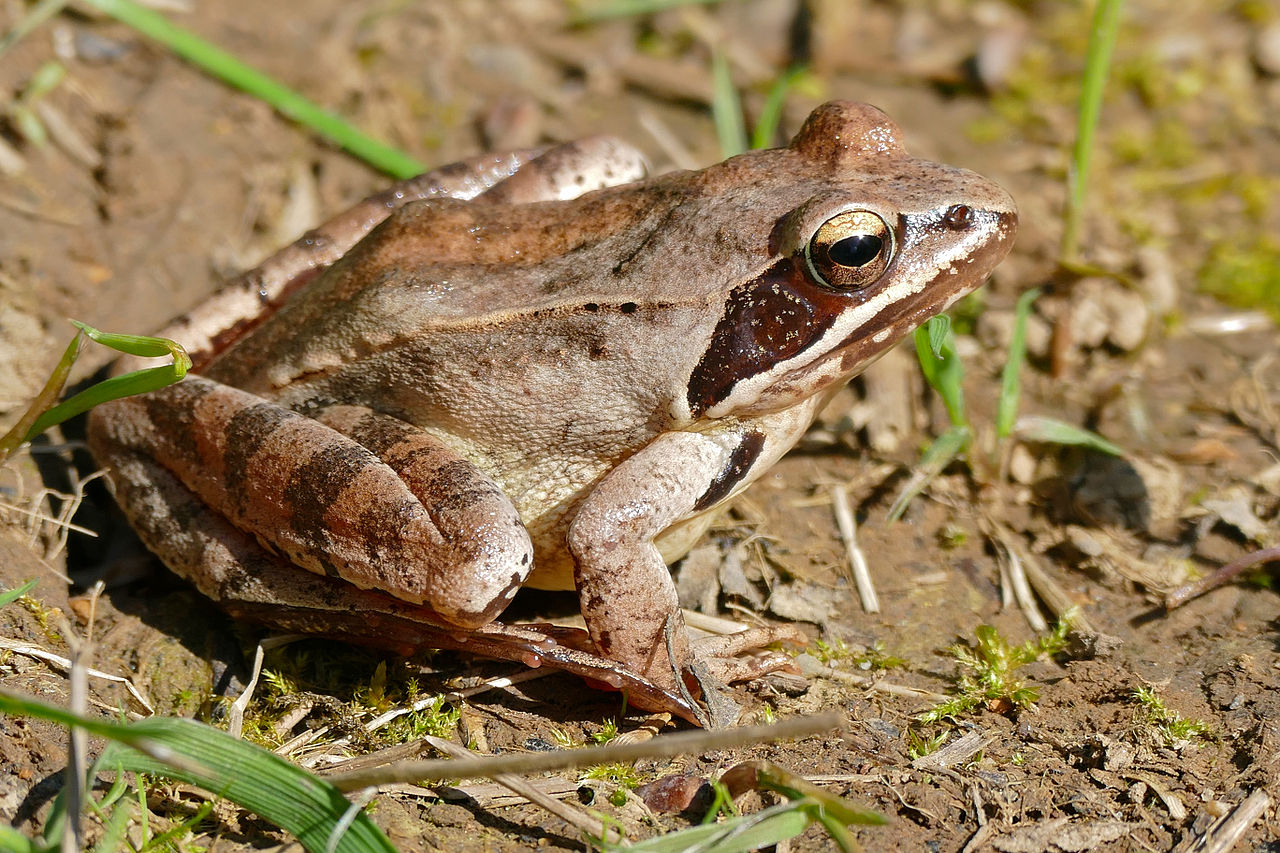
<point>700,696</point>
<point>742,656</point>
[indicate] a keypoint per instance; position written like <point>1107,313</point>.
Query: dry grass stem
<point>812,667</point>
<point>1223,835</point>
<point>1017,577</point>
<point>664,746</point>
<point>66,664</point>
<point>859,573</point>
<point>1054,596</point>
<point>235,717</point>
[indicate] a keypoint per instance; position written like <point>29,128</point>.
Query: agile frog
<point>538,369</point>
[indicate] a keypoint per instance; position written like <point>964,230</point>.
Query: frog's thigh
<point>324,501</point>
<point>489,553</point>
<point>626,592</point>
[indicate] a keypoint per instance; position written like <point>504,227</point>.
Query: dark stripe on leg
<point>740,462</point>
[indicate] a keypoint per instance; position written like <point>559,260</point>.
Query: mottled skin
<point>539,385</point>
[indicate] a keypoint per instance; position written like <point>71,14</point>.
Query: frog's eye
<point>850,250</point>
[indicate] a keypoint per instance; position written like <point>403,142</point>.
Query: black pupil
<point>855,251</point>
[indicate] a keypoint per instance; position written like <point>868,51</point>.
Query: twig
<point>978,808</point>
<point>1018,578</point>
<point>1222,836</point>
<point>78,743</point>
<point>811,666</point>
<point>858,570</point>
<point>235,717</point>
<point>953,753</point>
<point>979,838</point>
<point>1229,572</point>
<point>663,746</point>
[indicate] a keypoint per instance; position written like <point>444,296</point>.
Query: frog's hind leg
<point>443,535</point>
<point>250,583</point>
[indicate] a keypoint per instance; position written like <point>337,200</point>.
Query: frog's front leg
<point>626,592</point>
<point>350,494</point>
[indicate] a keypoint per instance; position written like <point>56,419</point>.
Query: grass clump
<point>990,663</point>
<point>920,745</point>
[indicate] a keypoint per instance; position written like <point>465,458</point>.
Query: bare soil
<point>158,181</point>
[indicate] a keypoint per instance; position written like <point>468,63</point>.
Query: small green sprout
<point>608,731</point>
<point>622,775</point>
<point>563,739</point>
<point>991,662</point>
<point>436,718</point>
<point>918,746</point>
<point>721,803</point>
<point>952,536</point>
<point>1170,725</point>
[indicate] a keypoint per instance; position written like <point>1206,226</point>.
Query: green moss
<point>856,657</point>
<point>1168,724</point>
<point>1246,276</point>
<point>987,671</point>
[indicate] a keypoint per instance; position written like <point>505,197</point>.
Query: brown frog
<point>537,369</point>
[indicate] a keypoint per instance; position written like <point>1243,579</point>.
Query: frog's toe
<point>752,639</point>
<point>743,656</point>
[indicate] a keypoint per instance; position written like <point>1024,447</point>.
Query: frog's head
<point>888,242</point>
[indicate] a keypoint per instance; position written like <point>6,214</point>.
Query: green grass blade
<point>290,104</point>
<point>726,108</point>
<point>1011,378</point>
<point>12,841</point>
<point>138,382</point>
<point>145,346</point>
<point>37,15</point>
<point>114,828</point>
<point>735,835</point>
<point>939,332</point>
<point>795,787</point>
<point>942,368</point>
<point>23,430</point>
<point>9,596</point>
<point>1102,40</point>
<point>302,804</point>
<point>766,129</point>
<point>1053,431</point>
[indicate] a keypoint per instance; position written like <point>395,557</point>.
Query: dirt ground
<point>156,182</point>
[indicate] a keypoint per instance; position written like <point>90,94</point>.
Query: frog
<point>541,369</point>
